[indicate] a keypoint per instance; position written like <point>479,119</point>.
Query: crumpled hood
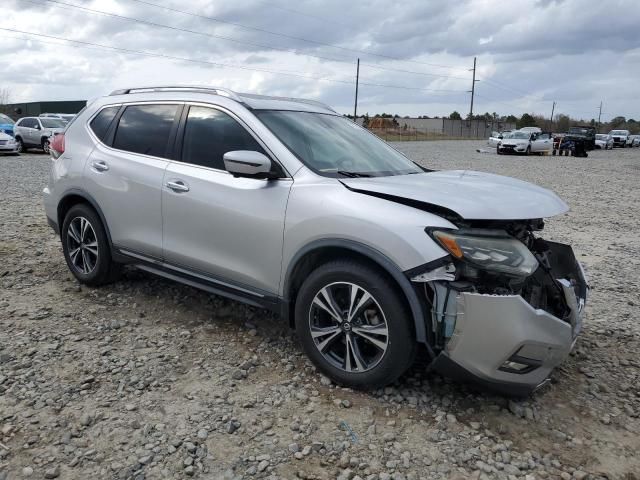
<point>472,195</point>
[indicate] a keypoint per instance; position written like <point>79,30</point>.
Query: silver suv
<point>36,132</point>
<point>286,205</point>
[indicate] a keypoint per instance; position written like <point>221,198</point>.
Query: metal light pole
<point>355,105</point>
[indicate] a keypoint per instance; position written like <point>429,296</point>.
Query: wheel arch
<point>74,197</point>
<point>322,251</point>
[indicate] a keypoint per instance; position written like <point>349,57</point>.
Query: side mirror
<point>246,163</point>
<point>37,126</point>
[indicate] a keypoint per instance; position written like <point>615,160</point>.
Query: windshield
<point>601,136</point>
<point>333,145</point>
<point>507,135</point>
<point>618,132</point>
<point>52,123</point>
<point>521,135</point>
<point>5,119</point>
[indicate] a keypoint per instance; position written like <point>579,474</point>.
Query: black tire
<point>20,143</point>
<point>498,151</point>
<point>45,145</point>
<point>528,151</point>
<point>104,269</point>
<point>400,349</point>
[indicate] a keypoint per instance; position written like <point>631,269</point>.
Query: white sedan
<point>8,144</point>
<point>604,141</point>
<point>525,142</point>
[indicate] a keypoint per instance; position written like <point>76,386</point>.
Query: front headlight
<point>499,253</point>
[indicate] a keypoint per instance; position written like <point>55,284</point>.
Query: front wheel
<point>86,248</point>
<point>45,145</point>
<point>20,147</point>
<point>354,326</point>
<point>528,152</point>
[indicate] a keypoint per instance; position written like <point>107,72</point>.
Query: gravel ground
<point>149,379</point>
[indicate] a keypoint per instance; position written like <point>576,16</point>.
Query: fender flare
<point>77,192</point>
<point>417,307</point>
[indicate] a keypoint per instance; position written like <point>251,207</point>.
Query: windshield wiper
<point>347,173</point>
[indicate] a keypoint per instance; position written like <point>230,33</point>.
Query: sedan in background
<point>635,140</point>
<point>604,141</point>
<point>6,124</point>
<point>8,144</point>
<point>525,142</point>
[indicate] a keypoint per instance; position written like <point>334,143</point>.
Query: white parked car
<point>531,129</point>
<point>8,144</point>
<point>497,137</point>
<point>525,142</point>
<point>620,138</point>
<point>65,117</point>
<point>36,132</point>
<point>604,141</point>
<point>635,140</point>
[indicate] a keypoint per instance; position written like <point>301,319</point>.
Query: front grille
<point>3,142</point>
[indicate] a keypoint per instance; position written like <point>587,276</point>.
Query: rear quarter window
<point>101,122</point>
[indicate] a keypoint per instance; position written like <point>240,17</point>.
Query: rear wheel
<point>86,248</point>
<point>354,326</point>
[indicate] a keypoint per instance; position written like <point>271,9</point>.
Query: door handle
<point>177,186</point>
<point>100,166</point>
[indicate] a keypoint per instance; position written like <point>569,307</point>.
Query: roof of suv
<point>252,101</point>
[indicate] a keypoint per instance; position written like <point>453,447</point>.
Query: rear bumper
<point>505,344</point>
<point>50,210</point>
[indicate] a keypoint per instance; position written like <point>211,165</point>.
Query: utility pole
<point>599,114</point>
<point>553,109</point>
<point>473,88</point>
<point>355,105</point>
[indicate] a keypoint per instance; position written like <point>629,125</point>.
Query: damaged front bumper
<point>502,341</point>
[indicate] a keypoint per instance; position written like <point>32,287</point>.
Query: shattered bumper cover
<point>507,345</point>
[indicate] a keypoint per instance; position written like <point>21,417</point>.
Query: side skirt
<point>202,282</point>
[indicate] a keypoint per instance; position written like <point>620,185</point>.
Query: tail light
<point>56,147</point>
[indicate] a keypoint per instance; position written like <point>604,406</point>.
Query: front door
<point>222,226</point>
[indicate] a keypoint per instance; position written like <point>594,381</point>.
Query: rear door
<point>125,171</point>
<point>225,227</point>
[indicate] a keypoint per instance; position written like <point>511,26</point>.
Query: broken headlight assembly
<point>488,250</point>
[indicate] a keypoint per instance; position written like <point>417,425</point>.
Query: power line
<point>298,12</point>
<point>225,65</point>
<point>284,35</point>
<point>64,5</point>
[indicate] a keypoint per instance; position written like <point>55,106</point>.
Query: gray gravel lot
<point>149,379</point>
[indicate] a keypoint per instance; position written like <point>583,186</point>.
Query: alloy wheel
<point>45,146</point>
<point>82,245</point>
<point>348,327</point>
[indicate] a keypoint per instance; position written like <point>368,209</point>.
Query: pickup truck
<point>620,138</point>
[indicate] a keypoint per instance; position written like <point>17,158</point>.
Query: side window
<point>145,129</point>
<point>101,122</point>
<point>209,134</point>
<point>27,122</point>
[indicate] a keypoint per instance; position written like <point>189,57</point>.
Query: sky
<point>415,55</point>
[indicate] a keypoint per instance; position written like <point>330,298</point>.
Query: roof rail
<point>224,92</point>
<point>287,99</point>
